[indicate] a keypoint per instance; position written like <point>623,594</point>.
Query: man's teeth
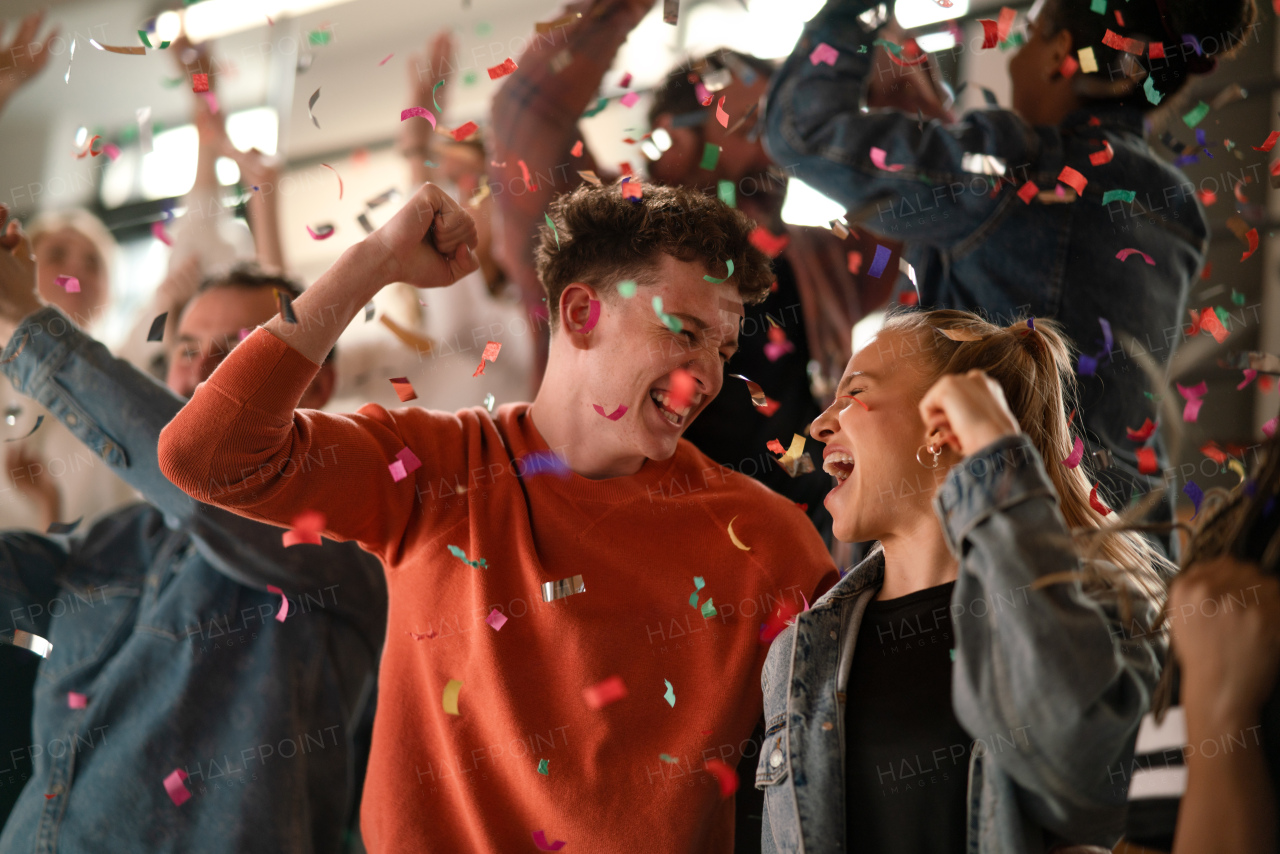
<point>839,465</point>
<point>663,399</point>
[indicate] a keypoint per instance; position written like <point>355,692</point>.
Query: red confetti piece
<point>1210,323</point>
<point>1239,192</point>
<point>1104,156</point>
<point>1143,433</point>
<point>404,389</point>
<point>490,355</point>
<point>1155,50</point>
<point>1147,461</point>
<point>778,621</point>
<point>775,446</point>
<point>576,151</point>
<point>1004,24</point>
<point>1270,142</point>
<point>1211,450</point>
<point>1028,191</point>
<point>1252,237</point>
<point>1194,328</point>
<point>724,775</point>
<point>721,116</point>
<point>769,243</point>
<point>1207,197</point>
<point>625,81</point>
<point>507,66</point>
<point>612,416</point>
<point>605,692</point>
<point>306,528</point>
<point>199,83</point>
<point>770,406</point>
<point>682,386</point>
<point>1118,42</point>
<point>1073,179</point>
<point>990,34</point>
<point>1069,66</point>
<point>908,298</point>
<point>1123,255</point>
<point>1096,504</point>
<point>464,131</point>
<point>855,262</point>
<point>1119,18</point>
<point>631,190</point>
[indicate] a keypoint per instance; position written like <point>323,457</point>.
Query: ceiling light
<point>213,19</point>
<point>918,13</point>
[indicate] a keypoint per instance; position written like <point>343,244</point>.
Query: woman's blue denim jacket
<point>1045,680</point>
<point>976,245</point>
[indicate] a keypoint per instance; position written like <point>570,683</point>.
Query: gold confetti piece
<point>590,176</point>
<point>450,698</point>
<point>734,537</point>
<point>1088,64</point>
<point>544,27</point>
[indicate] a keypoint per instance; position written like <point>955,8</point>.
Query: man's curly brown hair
<point>601,238</point>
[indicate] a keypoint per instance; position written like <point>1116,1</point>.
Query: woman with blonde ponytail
<point>971,685</point>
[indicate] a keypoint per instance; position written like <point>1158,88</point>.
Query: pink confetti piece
<point>409,459</point>
<point>507,66</point>
<point>174,784</point>
<point>1194,396</point>
<point>612,416</point>
<point>112,151</point>
<point>877,157</point>
<point>1077,454</point>
<point>625,81</point>
<point>411,112</point>
<point>1123,255</point>
<point>824,53</point>
<point>159,233</point>
<point>540,840</point>
<point>1073,179</point>
<point>593,317</point>
<point>385,61</point>
<point>1104,156</point>
<point>323,232</point>
<point>76,700</point>
<point>299,538</point>
<point>1249,375</point>
<point>336,175</point>
<point>212,101</point>
<point>703,94</point>
<point>70,284</point>
<point>496,619</point>
<point>1269,427</point>
<point>629,99</point>
<point>603,693</point>
<point>284,603</point>
<point>721,116</point>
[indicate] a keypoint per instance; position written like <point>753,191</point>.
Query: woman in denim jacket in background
<point>953,191</point>
<point>971,685</point>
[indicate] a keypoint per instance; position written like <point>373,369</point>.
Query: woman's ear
<point>575,313</point>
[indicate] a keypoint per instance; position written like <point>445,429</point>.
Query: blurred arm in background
<point>23,57</point>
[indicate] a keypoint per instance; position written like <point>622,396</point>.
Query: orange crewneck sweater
<point>470,782</point>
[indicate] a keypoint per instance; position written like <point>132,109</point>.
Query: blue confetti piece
<point>542,462</point>
<point>1196,494</point>
<point>880,262</point>
<point>1087,367</point>
<point>1107,339</point>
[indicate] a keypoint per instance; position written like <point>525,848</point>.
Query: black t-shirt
<point>906,755</point>
<point>734,432</point>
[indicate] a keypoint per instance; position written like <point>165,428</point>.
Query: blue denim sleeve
<point>30,569</point>
<point>118,412</point>
<point>816,130</point>
<point>1046,668</point>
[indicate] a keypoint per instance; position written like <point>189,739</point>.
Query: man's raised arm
<point>239,442</point>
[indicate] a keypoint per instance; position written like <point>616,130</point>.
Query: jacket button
<point>833,634</point>
<point>827,725</point>
<point>72,420</point>
<point>775,758</point>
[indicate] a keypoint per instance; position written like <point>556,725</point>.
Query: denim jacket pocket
<point>773,766</point>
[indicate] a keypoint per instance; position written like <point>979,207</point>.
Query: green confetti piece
<point>1014,40</point>
<point>708,609</point>
<point>1223,317</point>
<point>862,48</point>
<point>128,134</point>
<point>543,767</point>
<point>552,226</point>
<point>895,49</point>
<point>483,28</point>
<point>627,288</point>
<point>1196,115</point>
<point>698,582</point>
<point>673,323</point>
<point>433,96</point>
<point>1237,297</point>
<point>953,654</point>
<point>670,696</point>
<point>1150,88</point>
<point>429,163</point>
<point>319,37</point>
<point>727,193</point>
<point>172,83</point>
<point>693,599</point>
<point>668,758</point>
<point>713,280</point>
<point>710,156</point>
<point>462,556</point>
<point>1099,6</point>
<point>1117,196</point>
<point>469,79</point>
<point>600,105</point>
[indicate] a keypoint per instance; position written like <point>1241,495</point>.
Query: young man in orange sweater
<point>577,596</point>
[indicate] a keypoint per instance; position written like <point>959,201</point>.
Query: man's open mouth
<point>662,399</point>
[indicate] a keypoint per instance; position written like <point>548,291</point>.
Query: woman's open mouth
<point>839,465</point>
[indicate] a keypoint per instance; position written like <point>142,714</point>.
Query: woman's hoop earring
<point>936,453</point>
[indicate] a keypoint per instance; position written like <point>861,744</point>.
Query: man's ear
<point>321,388</point>
<point>575,313</point>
